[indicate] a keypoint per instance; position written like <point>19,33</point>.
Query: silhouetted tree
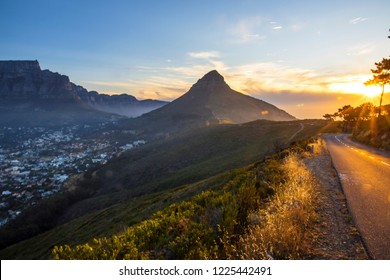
<point>346,114</point>
<point>381,77</point>
<point>329,117</point>
<point>365,111</point>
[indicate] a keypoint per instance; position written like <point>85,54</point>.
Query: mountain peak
<point>211,81</point>
<point>212,76</point>
<point>211,101</point>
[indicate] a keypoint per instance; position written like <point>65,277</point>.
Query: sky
<point>306,57</point>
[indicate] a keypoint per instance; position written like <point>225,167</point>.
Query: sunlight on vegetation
<point>380,77</point>
<point>368,124</point>
<point>281,227</point>
<point>262,212</point>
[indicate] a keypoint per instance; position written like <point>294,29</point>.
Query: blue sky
<point>307,57</point>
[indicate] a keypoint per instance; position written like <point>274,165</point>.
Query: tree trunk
<point>380,102</point>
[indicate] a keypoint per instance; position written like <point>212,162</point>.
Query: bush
<point>261,212</point>
<point>280,228</point>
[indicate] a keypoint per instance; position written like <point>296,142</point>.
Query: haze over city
<point>306,57</point>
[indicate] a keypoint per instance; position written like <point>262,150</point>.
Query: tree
<point>346,114</point>
<point>329,117</point>
<point>381,77</point>
<point>365,111</point>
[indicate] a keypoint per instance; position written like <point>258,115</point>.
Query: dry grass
<point>279,230</point>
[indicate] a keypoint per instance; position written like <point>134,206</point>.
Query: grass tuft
<point>280,228</point>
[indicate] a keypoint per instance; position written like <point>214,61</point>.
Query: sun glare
<point>356,88</point>
<point>372,92</point>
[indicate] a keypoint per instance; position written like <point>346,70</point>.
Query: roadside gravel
<point>335,235</point>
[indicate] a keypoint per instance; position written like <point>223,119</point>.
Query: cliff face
<point>24,81</point>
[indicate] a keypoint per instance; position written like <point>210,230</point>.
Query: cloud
<point>205,55</point>
<point>272,77</point>
<point>310,105</point>
<point>297,27</point>
<point>153,87</point>
<point>195,69</point>
<point>246,30</point>
<point>360,50</point>
<point>109,84</point>
<point>275,25</point>
<point>258,79</point>
<point>357,20</point>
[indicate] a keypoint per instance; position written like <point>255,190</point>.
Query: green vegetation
<point>351,117</point>
<point>271,202</point>
<point>364,123</point>
<point>375,132</point>
<point>281,230</point>
<point>380,77</point>
<point>142,182</point>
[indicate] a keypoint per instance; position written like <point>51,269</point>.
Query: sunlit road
<point>365,176</point>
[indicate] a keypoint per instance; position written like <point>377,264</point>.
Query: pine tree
<point>381,77</point>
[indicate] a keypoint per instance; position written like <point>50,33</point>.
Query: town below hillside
<point>35,162</point>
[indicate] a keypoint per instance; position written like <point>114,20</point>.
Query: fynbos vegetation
<point>280,229</point>
<point>262,212</point>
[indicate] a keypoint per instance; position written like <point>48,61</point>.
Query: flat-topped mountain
<point>19,66</point>
<point>212,101</point>
<point>24,83</point>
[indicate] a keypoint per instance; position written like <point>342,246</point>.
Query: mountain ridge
<point>24,82</point>
<point>210,101</point>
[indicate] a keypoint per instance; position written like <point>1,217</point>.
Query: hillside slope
<point>143,181</point>
<point>273,209</point>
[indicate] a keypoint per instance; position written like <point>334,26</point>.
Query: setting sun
<point>371,92</point>
<point>356,87</point>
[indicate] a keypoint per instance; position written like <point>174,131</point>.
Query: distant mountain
<point>122,104</point>
<point>212,101</point>
<point>23,84</point>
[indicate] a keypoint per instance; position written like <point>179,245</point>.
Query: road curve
<point>296,133</point>
<point>365,177</point>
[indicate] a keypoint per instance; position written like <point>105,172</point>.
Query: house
<point>5,193</point>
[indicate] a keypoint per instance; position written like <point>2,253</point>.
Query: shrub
<point>281,226</point>
<point>260,213</point>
